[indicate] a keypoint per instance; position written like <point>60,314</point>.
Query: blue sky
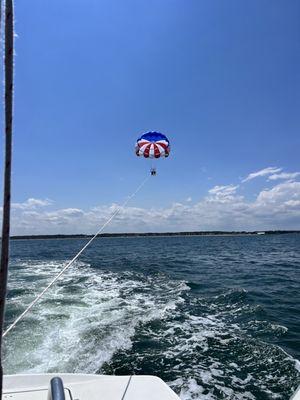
<point>220,79</point>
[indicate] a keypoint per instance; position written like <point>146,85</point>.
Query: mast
<point>8,62</point>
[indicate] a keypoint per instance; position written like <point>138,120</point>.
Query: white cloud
<point>223,190</point>
<point>293,203</point>
<point>222,193</point>
<point>32,203</point>
<point>263,172</point>
<point>223,208</point>
<point>279,194</point>
<point>67,212</point>
<point>284,175</point>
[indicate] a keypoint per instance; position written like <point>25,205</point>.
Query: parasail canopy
<point>152,145</point>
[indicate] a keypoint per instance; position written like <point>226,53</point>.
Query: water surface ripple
<point>215,317</point>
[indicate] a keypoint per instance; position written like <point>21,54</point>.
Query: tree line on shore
<point>143,234</point>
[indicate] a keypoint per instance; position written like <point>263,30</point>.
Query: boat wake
<point>128,322</point>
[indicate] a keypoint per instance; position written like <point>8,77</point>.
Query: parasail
<point>152,145</point>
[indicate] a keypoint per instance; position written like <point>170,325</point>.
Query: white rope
<point>116,212</point>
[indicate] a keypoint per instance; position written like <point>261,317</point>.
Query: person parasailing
<point>152,145</point>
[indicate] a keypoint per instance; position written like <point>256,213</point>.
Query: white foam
<point>92,314</point>
<point>80,329</point>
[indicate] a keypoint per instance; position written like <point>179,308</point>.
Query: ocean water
<point>215,317</point>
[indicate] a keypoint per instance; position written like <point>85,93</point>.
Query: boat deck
<point>88,387</point>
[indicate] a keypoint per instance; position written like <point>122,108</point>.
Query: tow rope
<point>39,296</point>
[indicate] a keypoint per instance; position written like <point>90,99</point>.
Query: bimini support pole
<point>8,62</point>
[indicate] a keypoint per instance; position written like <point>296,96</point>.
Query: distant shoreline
<point>157,234</point>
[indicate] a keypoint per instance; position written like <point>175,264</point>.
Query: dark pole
<point>8,62</point>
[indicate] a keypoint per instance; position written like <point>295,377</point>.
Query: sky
<point>220,79</point>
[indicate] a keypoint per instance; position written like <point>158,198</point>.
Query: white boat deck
<point>296,395</point>
<point>88,387</point>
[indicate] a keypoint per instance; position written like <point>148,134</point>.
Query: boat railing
<point>56,390</point>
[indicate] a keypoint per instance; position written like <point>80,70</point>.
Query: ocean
<point>216,317</point>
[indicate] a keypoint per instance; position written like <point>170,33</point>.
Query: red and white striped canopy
<point>152,145</point>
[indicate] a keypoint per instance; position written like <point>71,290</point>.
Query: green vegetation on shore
<point>197,233</point>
